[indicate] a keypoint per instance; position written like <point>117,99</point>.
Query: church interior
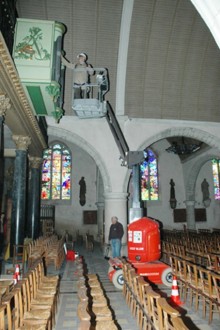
<point>109,109</point>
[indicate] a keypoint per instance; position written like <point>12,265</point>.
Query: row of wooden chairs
<point>197,285</point>
<point>209,260</point>
<point>26,254</point>
<point>36,248</point>
<point>55,253</point>
<point>202,241</point>
<point>151,310</point>
<point>93,309</point>
<point>32,303</point>
<point>50,247</point>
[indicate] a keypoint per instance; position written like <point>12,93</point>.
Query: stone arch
<point>83,144</point>
<point>191,132</point>
<point>191,178</point>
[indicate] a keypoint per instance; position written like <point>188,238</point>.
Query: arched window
<point>149,177</point>
<point>216,177</point>
<point>56,173</point>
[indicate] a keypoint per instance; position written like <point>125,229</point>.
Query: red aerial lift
<point>144,247</point>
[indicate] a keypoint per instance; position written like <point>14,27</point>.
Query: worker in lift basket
<point>81,74</point>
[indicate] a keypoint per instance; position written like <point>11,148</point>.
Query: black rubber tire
<point>118,279</point>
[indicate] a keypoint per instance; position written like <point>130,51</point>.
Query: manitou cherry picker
<point>144,246</point>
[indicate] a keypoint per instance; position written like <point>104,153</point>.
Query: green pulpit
<point>36,53</point>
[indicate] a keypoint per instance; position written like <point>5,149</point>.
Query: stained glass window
<point>216,177</point>
<point>56,173</point>
<point>149,177</point>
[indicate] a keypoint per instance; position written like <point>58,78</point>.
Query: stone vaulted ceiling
<point>162,59</point>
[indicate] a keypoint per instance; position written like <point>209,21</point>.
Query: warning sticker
<point>137,238</point>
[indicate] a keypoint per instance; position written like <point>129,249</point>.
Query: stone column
<point>190,214</point>
<point>100,220</point>
<point>4,106</point>
<point>33,219</point>
<point>19,191</point>
<point>116,205</point>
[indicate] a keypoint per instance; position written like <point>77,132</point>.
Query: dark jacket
<point>116,231</point>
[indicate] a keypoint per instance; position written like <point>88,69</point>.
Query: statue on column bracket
<point>172,195</point>
<point>205,192</point>
<point>82,191</point>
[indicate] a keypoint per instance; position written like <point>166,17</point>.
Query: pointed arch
<point>56,172</point>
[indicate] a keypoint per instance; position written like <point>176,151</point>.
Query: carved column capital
<point>35,162</point>
<point>4,103</point>
<point>22,142</point>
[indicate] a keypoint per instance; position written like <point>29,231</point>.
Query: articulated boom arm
<point>96,107</point>
<point>129,158</point>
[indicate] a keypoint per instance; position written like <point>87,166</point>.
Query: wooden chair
<point>173,264</point>
<point>134,292</point>
<point>19,253</point>
<point>38,299</point>
<point>96,291</point>
<point>94,283</point>
<point>3,317</point>
<point>142,284</point>
<point>15,316</point>
<point>214,294</point>
<point>43,274</point>
<point>153,297</point>
<point>54,253</point>
<point>194,283</point>
<point>183,277</point>
<point>82,294</point>
<point>51,288</point>
<point>126,290</point>
<point>150,308</point>
<point>84,316</point>
<point>99,301</point>
<point>81,284</point>
<point>12,312</point>
<point>89,242</point>
<point>102,313</point>
<point>213,262</point>
<point>205,281</point>
<point>169,318</point>
<point>129,298</point>
<point>33,316</point>
<point>107,325</point>
<point>34,252</point>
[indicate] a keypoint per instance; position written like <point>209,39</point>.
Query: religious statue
<point>172,195</point>
<point>205,191</point>
<point>82,191</point>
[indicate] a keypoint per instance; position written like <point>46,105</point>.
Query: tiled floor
<point>96,263</point>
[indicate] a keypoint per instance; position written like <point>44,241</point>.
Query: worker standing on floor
<point>116,233</point>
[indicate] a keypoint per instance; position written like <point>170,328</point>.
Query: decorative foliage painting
<point>31,47</point>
